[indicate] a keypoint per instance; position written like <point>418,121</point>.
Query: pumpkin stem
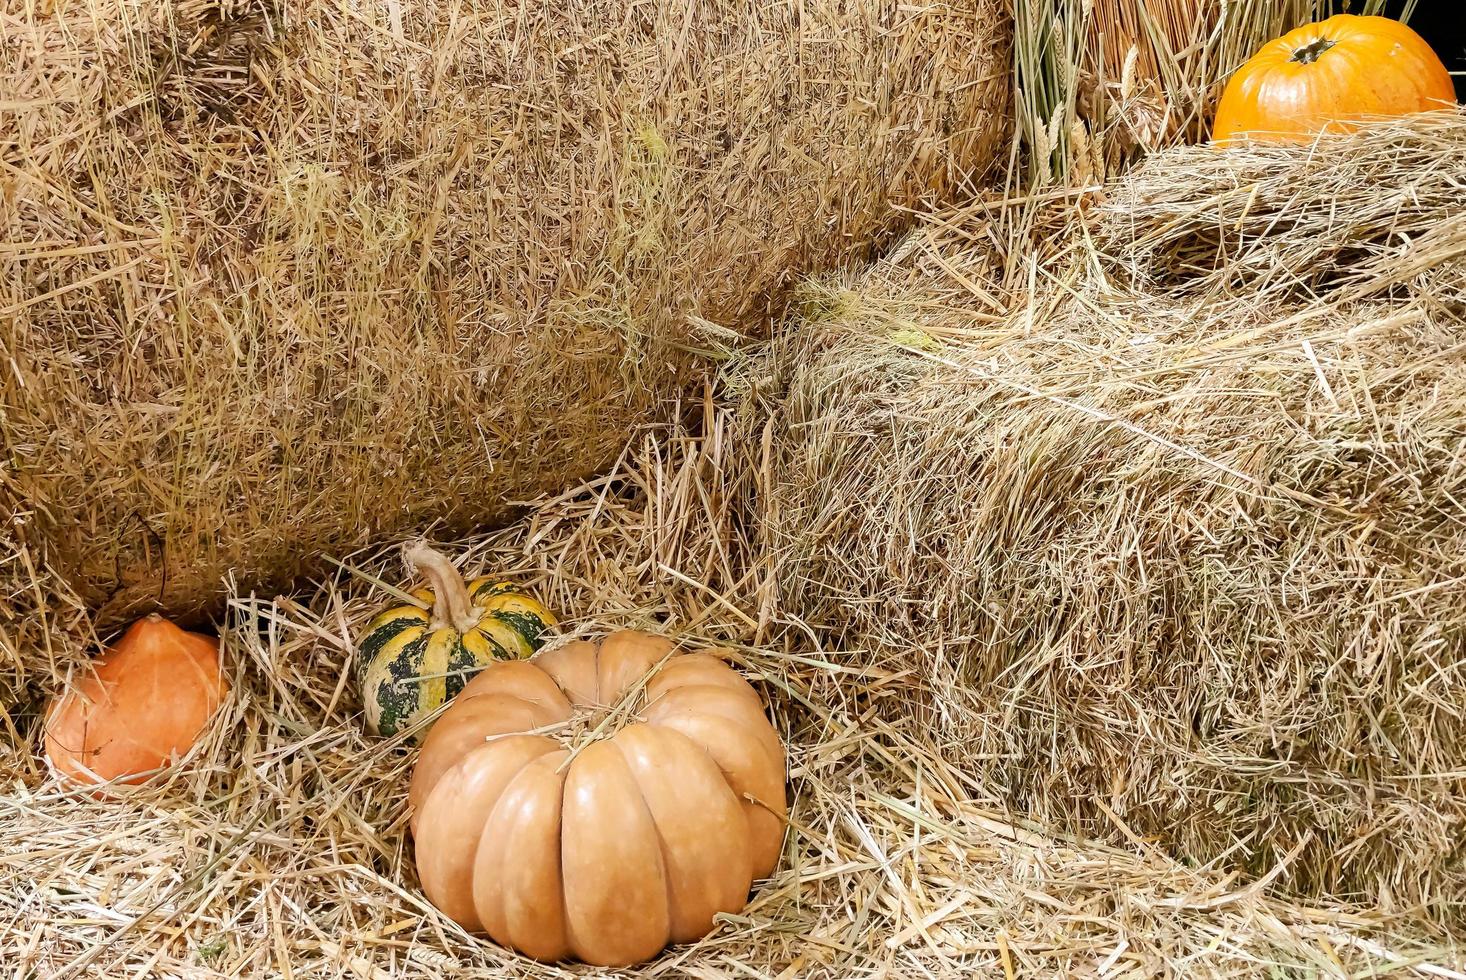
<point>1312,51</point>
<point>451,605</point>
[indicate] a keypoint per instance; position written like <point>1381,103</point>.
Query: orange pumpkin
<point>1321,75</point>
<point>144,704</point>
<point>599,801</point>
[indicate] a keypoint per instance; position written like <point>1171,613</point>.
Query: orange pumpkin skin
<point>1319,76</point>
<point>145,702</point>
<point>635,840</point>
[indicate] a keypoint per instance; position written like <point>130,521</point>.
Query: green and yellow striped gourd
<point>413,658</point>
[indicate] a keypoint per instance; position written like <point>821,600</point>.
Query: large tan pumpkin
<point>599,801</point>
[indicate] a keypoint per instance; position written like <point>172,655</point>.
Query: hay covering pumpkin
<point>414,657</point>
<point>599,801</point>
<point>144,705</point>
<point>1322,75</point>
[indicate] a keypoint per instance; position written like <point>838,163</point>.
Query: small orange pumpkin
<point>144,703</point>
<point>599,801</point>
<point>1322,75</point>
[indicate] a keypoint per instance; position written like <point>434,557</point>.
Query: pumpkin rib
<point>391,680</point>
<point>709,699</point>
<point>628,659</point>
<point>661,839</point>
<point>521,679</point>
<point>697,669</point>
<point>742,729</point>
<point>400,617</point>
<point>491,716</point>
<point>484,648</point>
<point>701,880</point>
<point>461,806</point>
<point>437,662</point>
<point>744,771</point>
<point>616,912</point>
<point>510,879</point>
<point>504,637</point>
<point>575,669</point>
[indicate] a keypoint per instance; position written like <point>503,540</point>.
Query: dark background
<point>1443,24</point>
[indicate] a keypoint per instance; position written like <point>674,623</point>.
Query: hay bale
<point>1174,526</point>
<point>277,277</point>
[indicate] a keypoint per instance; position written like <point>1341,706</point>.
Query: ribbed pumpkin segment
<point>718,701</point>
<point>518,679</point>
<point>667,805</point>
<point>144,704</point>
<point>482,718</point>
<point>626,659</point>
<point>575,670</point>
<point>461,804</point>
<point>517,887</point>
<point>755,776</point>
<point>701,827</point>
<point>691,669</point>
<point>615,883</point>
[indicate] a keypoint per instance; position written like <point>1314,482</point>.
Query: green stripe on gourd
<point>483,589</point>
<point>527,625</point>
<point>411,661</point>
<point>392,680</point>
<point>384,628</point>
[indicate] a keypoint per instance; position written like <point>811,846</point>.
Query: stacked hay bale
<point>277,277</point>
<point>1172,518</point>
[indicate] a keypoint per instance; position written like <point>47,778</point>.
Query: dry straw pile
<point>277,277</point>
<point>282,851</point>
<point>1170,513</point>
<point>1140,515</point>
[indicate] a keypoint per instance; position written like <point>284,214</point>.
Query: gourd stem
<point>451,605</point>
<point>1312,51</point>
